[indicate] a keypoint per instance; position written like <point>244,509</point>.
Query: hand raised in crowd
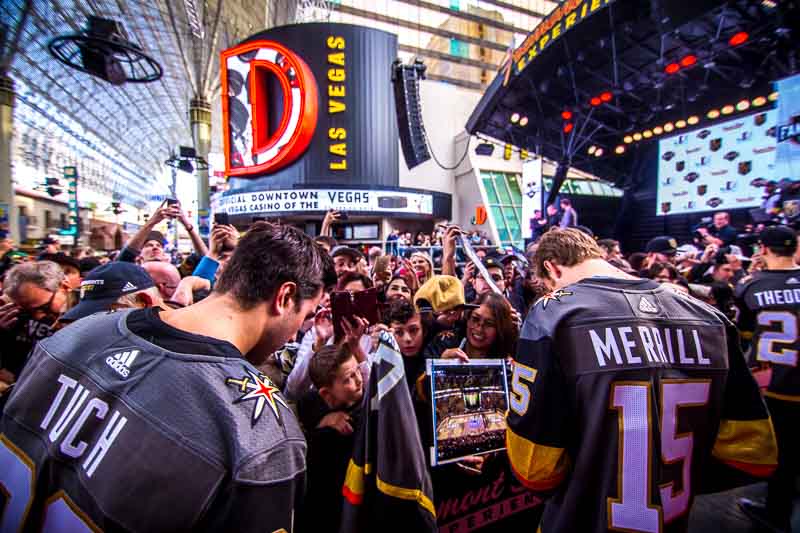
<point>516,317</point>
<point>469,273</point>
<point>338,420</point>
<point>709,253</point>
<point>8,315</point>
<point>164,212</point>
<point>376,335</point>
<point>455,353</point>
<point>323,328</point>
<point>412,278</point>
<point>472,464</point>
<point>220,236</point>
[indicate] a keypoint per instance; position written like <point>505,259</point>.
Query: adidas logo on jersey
<point>122,362</point>
<point>646,306</point>
<point>129,287</point>
<point>792,281</point>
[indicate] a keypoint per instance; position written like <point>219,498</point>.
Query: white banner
<point>531,193</point>
<point>299,200</point>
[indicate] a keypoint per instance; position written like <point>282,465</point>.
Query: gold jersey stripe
<point>747,442</point>
<point>540,467</point>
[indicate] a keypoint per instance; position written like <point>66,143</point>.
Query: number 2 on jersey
<point>633,509</point>
<point>767,351</point>
<point>17,477</point>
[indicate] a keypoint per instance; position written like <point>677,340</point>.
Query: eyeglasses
<point>45,308</point>
<point>478,322</point>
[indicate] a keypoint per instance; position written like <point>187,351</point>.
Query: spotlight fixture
<point>773,97</point>
<point>595,101</point>
<point>658,130</point>
<point>743,105</point>
<point>523,121</point>
<point>727,110</point>
<point>515,118</point>
<point>668,127</point>
<point>759,101</point>
<point>688,61</point>
<point>637,136</point>
<point>598,152</point>
<point>592,149</point>
<point>694,119</point>
<point>714,113</point>
<point>680,124</point>
<point>606,96</point>
<point>672,68</point>
<point>647,134</point>
<point>568,127</point>
<point>738,38</point>
<point>628,139</point>
<point>566,114</point>
<point>619,149</point>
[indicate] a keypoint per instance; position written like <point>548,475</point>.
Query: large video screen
<point>723,166</point>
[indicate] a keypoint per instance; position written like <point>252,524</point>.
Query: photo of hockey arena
<point>470,411</point>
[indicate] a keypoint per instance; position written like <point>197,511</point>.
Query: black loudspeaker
<point>413,139</point>
<point>97,54</point>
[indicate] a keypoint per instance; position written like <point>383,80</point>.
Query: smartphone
<point>345,304</point>
<point>221,218</point>
<point>172,201</point>
<point>343,215</point>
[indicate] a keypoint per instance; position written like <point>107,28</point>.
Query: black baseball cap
<point>662,245</point>
<point>105,284</point>
<point>88,264</point>
<point>155,236</point>
<point>354,254</point>
<point>778,237</point>
<point>493,261</point>
<point>61,259</point>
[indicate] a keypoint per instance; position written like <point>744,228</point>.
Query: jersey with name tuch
<point>623,394</point>
<point>106,431</point>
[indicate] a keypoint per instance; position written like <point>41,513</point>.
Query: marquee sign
<point>315,200</point>
<point>562,19</point>
<point>250,146</point>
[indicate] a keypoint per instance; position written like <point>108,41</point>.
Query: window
<point>48,219</point>
<point>63,224</point>
<point>504,194</point>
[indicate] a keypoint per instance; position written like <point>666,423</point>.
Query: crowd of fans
<point>443,309</point>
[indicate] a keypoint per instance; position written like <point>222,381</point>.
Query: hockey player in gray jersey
<point>627,398</point>
<point>153,420</point>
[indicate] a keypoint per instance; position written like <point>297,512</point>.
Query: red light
<point>568,127</point>
<point>672,68</point>
<point>738,38</point>
<point>566,115</point>
<point>688,61</point>
<point>606,96</point>
<point>595,101</point>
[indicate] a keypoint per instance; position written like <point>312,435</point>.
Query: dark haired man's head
<point>335,373</point>
<point>353,282</point>
<point>282,269</point>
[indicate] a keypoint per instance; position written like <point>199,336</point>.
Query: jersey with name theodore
<point>621,391</point>
<point>106,431</point>
<point>768,303</point>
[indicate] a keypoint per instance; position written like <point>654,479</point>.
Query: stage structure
<point>599,80</point>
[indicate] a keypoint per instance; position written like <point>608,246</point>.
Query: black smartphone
<point>221,218</point>
<point>172,201</point>
<point>343,215</point>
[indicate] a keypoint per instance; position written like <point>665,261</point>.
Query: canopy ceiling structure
<point>598,80</point>
<point>137,125</point>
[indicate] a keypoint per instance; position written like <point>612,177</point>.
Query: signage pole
<point>8,218</point>
<point>200,119</point>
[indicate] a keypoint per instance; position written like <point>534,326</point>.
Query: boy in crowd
<point>329,414</point>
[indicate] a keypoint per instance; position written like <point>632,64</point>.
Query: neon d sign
<point>250,147</point>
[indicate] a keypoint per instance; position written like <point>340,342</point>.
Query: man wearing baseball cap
<point>769,306</point>
<point>119,282</point>
<point>444,297</point>
<point>661,250</point>
<point>345,259</point>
